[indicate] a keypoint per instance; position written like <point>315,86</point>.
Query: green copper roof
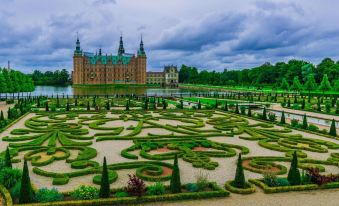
<point>115,59</point>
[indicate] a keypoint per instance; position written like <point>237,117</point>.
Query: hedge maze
<point>157,136</point>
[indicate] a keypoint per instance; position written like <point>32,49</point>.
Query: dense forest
<point>266,74</point>
<point>51,78</point>
<point>12,81</point>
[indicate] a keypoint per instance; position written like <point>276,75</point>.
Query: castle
<point>124,68</point>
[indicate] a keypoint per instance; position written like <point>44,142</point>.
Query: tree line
<point>12,81</point>
<point>266,74</point>
<point>58,77</point>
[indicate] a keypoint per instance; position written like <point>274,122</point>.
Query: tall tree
<point>282,120</point>
<point>8,161</point>
<point>296,86</point>
<point>284,84</point>
<point>325,84</point>
<point>333,129</point>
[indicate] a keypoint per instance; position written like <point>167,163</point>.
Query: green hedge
<point>250,188</point>
<point>216,191</point>
<point>7,199</point>
<point>268,189</point>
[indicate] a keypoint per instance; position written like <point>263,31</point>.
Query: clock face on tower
<point>92,75</point>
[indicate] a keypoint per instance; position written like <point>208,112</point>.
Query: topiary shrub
<point>175,184</point>
<point>104,186</point>
<point>9,177</point>
<point>85,192</point>
<point>239,180</point>
<point>294,174</point>
<point>26,192</point>
<point>48,195</point>
<point>156,189</point>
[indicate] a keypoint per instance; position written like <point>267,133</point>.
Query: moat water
<point>102,90</point>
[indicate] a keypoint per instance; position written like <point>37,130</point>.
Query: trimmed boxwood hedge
<point>216,191</point>
<point>248,190</point>
<point>268,189</point>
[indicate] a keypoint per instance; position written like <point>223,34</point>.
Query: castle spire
<point>77,46</point>
<point>121,49</point>
<point>141,50</point>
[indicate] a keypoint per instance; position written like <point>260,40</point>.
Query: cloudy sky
<point>213,34</point>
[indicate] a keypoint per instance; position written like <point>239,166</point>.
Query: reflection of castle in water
<point>102,90</point>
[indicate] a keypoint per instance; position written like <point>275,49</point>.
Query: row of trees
<point>12,81</point>
<point>265,74</point>
<point>51,78</point>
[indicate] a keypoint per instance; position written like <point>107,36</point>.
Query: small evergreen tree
<point>76,102</point>
<point>164,104</point>
<point>310,85</point>
<point>88,107</point>
<point>104,186</point>
<point>226,107</point>
<point>67,106</point>
<point>333,130</point>
<point>282,120</point>
<point>2,115</point>
<point>239,179</point>
<point>26,193</point>
<point>8,161</point>
<point>294,174</point>
<point>249,112</point>
<point>146,105</point>
<point>289,102</point>
<point>108,106</point>
<point>46,107</point>
<point>237,108</point>
<point>303,104</point>
<point>175,183</point>
<point>127,105</point>
<point>284,84</point>
<point>305,125</point>
<point>199,104</point>
<point>9,114</point>
<point>264,115</point>
<point>216,104</point>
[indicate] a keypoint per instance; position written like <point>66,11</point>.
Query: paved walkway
<point>310,198</point>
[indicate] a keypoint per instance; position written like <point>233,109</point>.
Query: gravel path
<point>309,198</point>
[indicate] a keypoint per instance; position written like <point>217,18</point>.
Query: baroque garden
<point>131,149</point>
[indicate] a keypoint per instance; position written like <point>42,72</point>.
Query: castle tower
<point>78,74</point>
<point>141,64</point>
<point>121,49</point>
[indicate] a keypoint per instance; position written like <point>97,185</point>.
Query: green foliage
<point>85,192</point>
<point>104,187</point>
<point>283,120</point>
<point>14,81</point>
<point>9,177</point>
<point>156,189</point>
<point>333,129</point>
<point>48,195</point>
<point>239,180</point>
<point>264,114</point>
<point>305,124</point>
<point>202,181</point>
<point>175,183</point>
<point>58,77</point>
<point>15,191</point>
<point>121,194</point>
<point>284,84</point>
<point>8,162</point>
<point>296,86</point>
<point>26,192</point>
<point>294,174</point>
<point>325,85</point>
<point>192,187</point>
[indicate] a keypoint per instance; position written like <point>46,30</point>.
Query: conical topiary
<point>333,130</point>
<point>26,193</point>
<point>237,109</point>
<point>46,107</point>
<point>175,183</point>
<point>282,120</point>
<point>199,104</point>
<point>305,125</point>
<point>294,174</point>
<point>249,112</point>
<point>239,179</point>
<point>88,107</point>
<point>8,161</point>
<point>226,107</point>
<point>264,115</point>
<point>104,186</point>
<point>2,115</point>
